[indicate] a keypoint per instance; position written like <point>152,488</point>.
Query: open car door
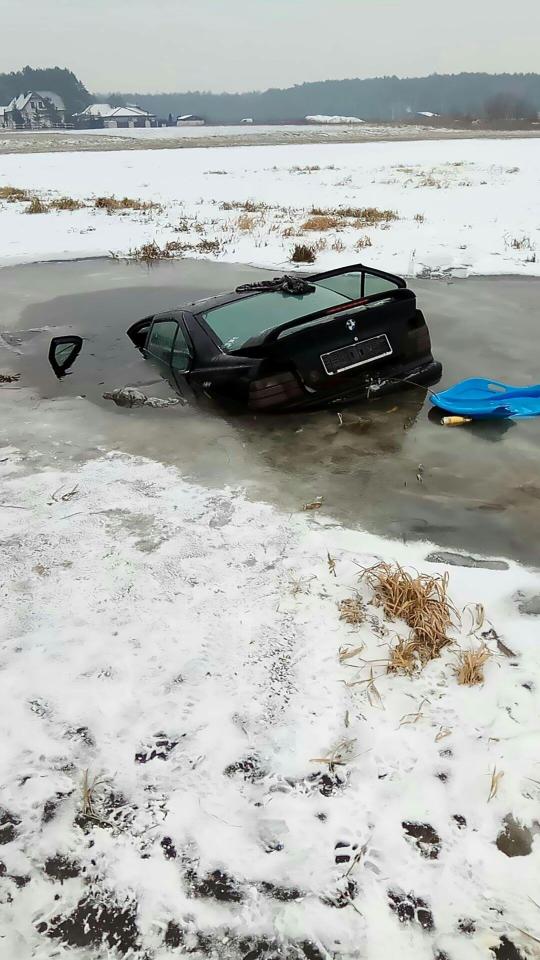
<point>63,352</point>
<point>138,332</point>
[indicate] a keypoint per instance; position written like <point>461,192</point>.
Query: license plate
<point>356,354</point>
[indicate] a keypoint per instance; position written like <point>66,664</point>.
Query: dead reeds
<point>13,194</point>
<point>422,602</point>
<point>352,610</point>
<point>321,222</point>
<point>470,665</point>
<point>37,206</point>
<point>118,205</point>
<point>67,203</point>
<point>303,253</point>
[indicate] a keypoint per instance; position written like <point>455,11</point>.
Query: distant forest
<point>506,96</point>
<point>495,96</point>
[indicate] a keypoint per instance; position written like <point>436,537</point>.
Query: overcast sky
<point>174,45</point>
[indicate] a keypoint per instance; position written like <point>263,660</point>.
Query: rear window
<point>236,323</point>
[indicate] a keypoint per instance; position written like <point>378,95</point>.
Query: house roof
<point>19,103</point>
<point>129,112</point>
<point>189,116</point>
<point>96,110</point>
<point>106,112</point>
<point>55,98</point>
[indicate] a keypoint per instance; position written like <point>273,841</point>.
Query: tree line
<point>500,96</point>
<point>494,96</point>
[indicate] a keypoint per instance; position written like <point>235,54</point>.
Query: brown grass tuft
<point>363,216</point>
<point>152,252</point>
<point>363,242</point>
<point>303,253</point>
<point>67,203</point>
<point>37,206</point>
<point>13,194</point>
<point>521,243</point>
<point>352,610</point>
<point>422,602</point>
<point>321,222</point>
<point>114,205</point>
<point>404,657</point>
<point>245,223</point>
<point>248,206</point>
<point>470,665</point>
<point>208,246</point>
<point>419,217</point>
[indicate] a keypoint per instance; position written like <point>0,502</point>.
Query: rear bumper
<point>390,380</point>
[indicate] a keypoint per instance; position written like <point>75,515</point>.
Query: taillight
<point>274,390</point>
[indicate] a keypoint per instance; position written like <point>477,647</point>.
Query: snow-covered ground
<point>253,788</point>
<point>184,648</point>
<point>471,207</point>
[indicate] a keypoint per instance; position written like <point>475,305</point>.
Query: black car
<point>291,342</point>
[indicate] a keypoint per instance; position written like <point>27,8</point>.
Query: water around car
<point>381,464</point>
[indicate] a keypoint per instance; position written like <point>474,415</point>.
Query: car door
<point>63,351</point>
<point>169,348</point>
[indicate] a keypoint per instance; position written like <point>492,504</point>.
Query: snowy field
<point>463,206</point>
<point>185,649</point>
<point>199,757</point>
<point>160,138</point>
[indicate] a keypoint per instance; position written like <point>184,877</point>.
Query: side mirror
<point>63,352</point>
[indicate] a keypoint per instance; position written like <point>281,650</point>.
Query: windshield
<point>239,321</point>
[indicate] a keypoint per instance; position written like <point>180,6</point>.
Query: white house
<point>99,115</point>
<point>247,120</point>
<point>189,120</point>
<point>34,110</point>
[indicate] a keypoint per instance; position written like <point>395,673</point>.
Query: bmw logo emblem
<point>351,324</point>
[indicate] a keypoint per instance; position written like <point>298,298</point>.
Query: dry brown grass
<point>67,203</point>
<point>521,243</point>
<point>321,222</point>
<point>152,252</point>
<point>363,242</point>
<point>37,206</point>
<point>13,194</point>
<point>496,777</point>
<point>245,223</point>
<point>303,253</point>
<point>116,205</point>
<point>352,610</point>
<point>428,180</point>
<point>419,217</point>
<point>404,657</point>
<point>470,665</point>
<point>208,246</point>
<point>363,216</point>
<point>422,602</point>
<point>248,206</point>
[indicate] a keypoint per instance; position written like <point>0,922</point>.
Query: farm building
<point>190,120</point>
<point>34,110</point>
<point>99,115</point>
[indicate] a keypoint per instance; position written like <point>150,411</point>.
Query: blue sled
<point>483,399</point>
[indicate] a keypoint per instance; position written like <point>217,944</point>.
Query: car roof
<point>208,303</point>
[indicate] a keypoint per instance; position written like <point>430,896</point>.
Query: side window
<point>161,340</point>
<point>348,284</point>
<point>373,284</point>
<point>182,353</point>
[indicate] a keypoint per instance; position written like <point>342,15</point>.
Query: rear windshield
<point>236,323</point>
